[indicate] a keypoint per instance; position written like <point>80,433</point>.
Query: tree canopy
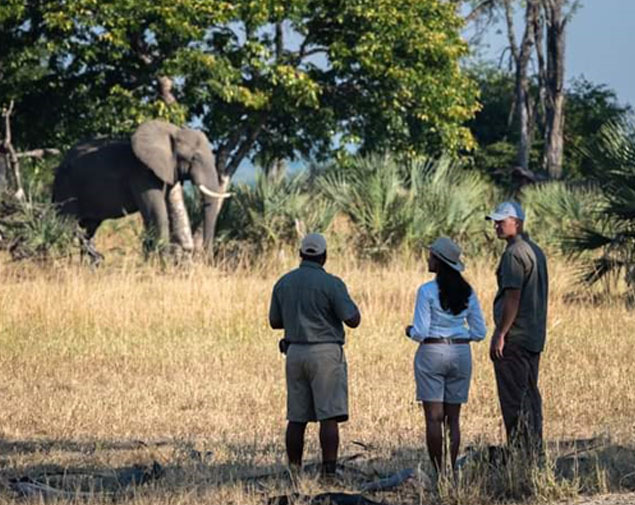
<point>275,79</point>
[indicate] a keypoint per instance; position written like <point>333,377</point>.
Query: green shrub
<point>451,201</point>
<point>557,210</point>
<point>32,230</point>
<point>393,205</point>
<point>373,193</point>
<point>274,211</point>
<point>612,235</point>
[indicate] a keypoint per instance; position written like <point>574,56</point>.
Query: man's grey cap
<point>505,210</point>
<point>313,244</point>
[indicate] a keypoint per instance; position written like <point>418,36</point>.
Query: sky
<point>600,45</point>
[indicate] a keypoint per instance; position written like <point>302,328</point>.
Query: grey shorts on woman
<point>443,372</point>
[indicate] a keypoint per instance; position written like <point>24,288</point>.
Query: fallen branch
<point>322,499</point>
<point>389,482</point>
<point>101,484</point>
<point>39,153</point>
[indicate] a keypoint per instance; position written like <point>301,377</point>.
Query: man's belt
<point>315,343</point>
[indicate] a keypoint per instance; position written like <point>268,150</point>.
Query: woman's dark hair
<point>454,290</point>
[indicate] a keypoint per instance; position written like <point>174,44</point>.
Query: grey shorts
<point>443,372</point>
<point>317,384</point>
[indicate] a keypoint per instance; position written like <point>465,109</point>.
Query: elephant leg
<point>149,195</point>
<point>87,245</point>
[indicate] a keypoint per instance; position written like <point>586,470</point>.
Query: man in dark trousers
<point>311,305</point>
<point>520,316</point>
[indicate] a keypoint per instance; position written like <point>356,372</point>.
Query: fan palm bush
<point>274,211</point>
<point>451,201</point>
<point>393,205</point>
<point>612,236</point>
<point>556,210</point>
<point>373,193</point>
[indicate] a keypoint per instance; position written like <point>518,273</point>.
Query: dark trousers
<point>521,404</point>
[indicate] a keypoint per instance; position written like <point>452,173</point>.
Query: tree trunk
<point>14,177</point>
<point>521,56</point>
<point>3,173</point>
<point>555,98</point>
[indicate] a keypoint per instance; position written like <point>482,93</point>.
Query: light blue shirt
<point>431,320</point>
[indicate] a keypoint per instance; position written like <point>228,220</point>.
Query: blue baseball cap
<point>505,210</point>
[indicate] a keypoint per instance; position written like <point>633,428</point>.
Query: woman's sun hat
<point>447,251</point>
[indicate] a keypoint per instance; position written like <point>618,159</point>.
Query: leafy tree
<point>588,106</point>
<point>278,78</point>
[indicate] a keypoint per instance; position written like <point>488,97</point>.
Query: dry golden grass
<point>183,360</point>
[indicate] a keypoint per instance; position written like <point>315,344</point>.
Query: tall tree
<point>278,78</point>
<point>543,39</point>
<point>521,55</point>
<point>556,20</point>
<point>587,106</point>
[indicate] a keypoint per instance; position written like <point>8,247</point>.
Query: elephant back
<point>152,144</point>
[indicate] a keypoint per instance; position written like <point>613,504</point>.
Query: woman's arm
<point>421,322</point>
<point>475,321</point>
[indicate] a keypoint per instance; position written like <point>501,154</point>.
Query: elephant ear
<point>152,143</point>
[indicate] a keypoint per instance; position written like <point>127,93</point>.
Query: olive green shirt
<point>311,305</point>
<point>524,266</point>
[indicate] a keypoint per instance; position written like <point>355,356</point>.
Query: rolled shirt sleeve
<point>475,322</point>
<point>343,305</point>
<point>512,272</point>
<point>275,314</point>
<point>421,321</point>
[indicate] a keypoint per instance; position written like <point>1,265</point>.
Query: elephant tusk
<point>213,194</point>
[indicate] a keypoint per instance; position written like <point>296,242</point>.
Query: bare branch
<point>12,157</point>
<point>39,153</point>
<point>476,12</point>
<point>246,145</point>
<point>316,50</point>
<point>539,28</point>
<point>509,19</point>
<point>223,152</point>
<point>6,113</point>
<point>279,40</point>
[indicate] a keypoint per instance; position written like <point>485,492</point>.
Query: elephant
<point>109,178</point>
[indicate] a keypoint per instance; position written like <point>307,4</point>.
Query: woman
<point>447,317</point>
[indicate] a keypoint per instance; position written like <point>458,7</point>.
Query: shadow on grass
<point>175,467</point>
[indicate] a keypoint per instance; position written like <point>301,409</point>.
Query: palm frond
<point>613,158</point>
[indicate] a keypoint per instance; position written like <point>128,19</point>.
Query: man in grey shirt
<point>520,316</point>
<point>310,305</point>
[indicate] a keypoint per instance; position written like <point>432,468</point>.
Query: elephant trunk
<point>180,229</point>
<point>213,204</point>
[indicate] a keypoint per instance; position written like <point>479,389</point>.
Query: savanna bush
<point>274,211</point>
<point>557,210</point>
<point>397,205</point>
